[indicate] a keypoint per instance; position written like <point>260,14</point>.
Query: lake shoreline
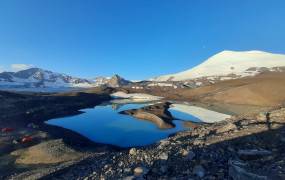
<point>104,154</point>
<point>224,145</point>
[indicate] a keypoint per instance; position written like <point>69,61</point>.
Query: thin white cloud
<point>1,69</point>
<point>20,67</point>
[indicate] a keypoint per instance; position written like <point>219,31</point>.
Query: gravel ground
<point>244,147</point>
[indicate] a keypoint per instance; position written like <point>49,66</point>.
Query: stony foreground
<point>248,147</point>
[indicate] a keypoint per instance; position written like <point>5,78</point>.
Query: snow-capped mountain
<point>231,64</point>
<point>117,81</point>
<point>114,81</point>
<point>39,78</point>
<point>43,79</point>
<point>100,81</point>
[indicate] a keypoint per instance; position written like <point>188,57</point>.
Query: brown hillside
<point>262,90</point>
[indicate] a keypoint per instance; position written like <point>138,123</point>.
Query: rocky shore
<point>22,117</point>
<point>244,147</point>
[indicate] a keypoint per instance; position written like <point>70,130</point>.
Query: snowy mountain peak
<point>229,63</point>
<point>117,81</point>
<point>40,78</point>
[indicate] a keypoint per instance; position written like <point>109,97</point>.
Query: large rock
<point>163,143</point>
<point>253,154</point>
<point>140,171</point>
<point>238,171</point>
<point>163,156</point>
<point>199,171</point>
<point>188,155</point>
<point>226,128</point>
<point>133,151</point>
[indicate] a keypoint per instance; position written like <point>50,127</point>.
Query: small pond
<point>104,124</point>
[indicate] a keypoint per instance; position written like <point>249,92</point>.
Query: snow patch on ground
<point>202,114</point>
<point>130,101</point>
<point>161,84</point>
<point>122,95</point>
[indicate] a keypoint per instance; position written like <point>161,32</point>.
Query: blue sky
<point>137,39</point>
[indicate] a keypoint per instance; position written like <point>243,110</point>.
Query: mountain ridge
<point>40,78</point>
<point>221,66</point>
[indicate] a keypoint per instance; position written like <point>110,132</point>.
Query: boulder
<point>253,154</point>
<point>163,143</point>
<point>226,128</point>
<point>238,171</point>
<point>140,171</point>
<point>188,155</point>
<point>133,151</point>
<point>199,171</point>
<point>163,156</point>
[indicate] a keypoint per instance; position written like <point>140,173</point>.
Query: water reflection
<point>104,124</point>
